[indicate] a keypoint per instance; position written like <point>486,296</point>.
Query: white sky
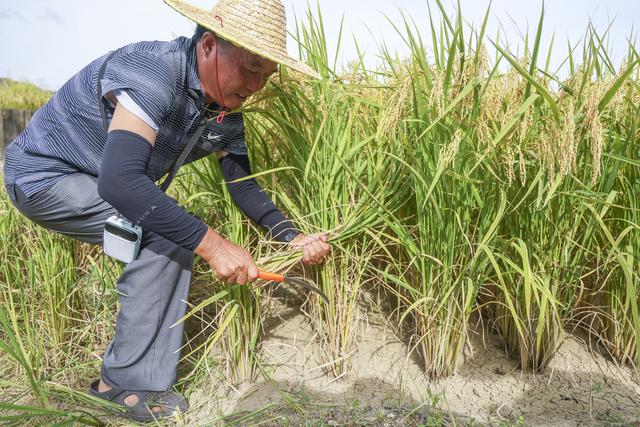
<point>47,41</point>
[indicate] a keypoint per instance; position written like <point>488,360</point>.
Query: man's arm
<point>124,184</point>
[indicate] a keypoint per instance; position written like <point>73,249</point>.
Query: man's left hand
<point>314,247</point>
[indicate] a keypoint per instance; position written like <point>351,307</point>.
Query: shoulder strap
<point>188,146</point>
<point>184,153</point>
<point>103,111</point>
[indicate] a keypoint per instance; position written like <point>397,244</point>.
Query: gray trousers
<point>145,350</point>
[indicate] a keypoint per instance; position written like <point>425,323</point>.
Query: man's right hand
<point>230,262</point>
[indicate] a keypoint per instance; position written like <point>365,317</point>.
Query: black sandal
<point>168,401</point>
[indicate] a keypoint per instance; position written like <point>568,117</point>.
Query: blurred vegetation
<point>22,95</point>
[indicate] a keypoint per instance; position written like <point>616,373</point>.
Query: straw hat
<point>258,26</point>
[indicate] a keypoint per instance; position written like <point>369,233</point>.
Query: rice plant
<point>335,186</point>
<point>613,297</point>
<point>234,309</point>
<point>338,181</point>
<point>37,295</point>
<point>52,320</point>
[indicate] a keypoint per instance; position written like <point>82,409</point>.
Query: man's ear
<point>209,43</point>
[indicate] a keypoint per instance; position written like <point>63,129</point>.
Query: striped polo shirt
<point>67,135</point>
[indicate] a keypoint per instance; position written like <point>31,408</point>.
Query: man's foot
<point>141,405</point>
<point>131,400</point>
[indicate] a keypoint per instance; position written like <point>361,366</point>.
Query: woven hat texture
<point>258,26</point>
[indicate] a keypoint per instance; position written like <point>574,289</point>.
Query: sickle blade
<point>304,284</point>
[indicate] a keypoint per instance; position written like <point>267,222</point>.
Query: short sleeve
<point>125,100</point>
<point>149,79</point>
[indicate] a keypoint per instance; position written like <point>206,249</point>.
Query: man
<point>120,124</point>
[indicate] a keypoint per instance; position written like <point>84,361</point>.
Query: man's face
<point>239,75</point>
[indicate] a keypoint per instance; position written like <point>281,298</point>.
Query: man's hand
<point>314,247</point>
<point>230,262</point>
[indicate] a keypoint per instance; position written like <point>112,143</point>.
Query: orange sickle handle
<point>265,275</point>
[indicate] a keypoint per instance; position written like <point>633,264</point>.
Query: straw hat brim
<point>205,18</point>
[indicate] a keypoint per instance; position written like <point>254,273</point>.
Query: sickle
<point>304,283</point>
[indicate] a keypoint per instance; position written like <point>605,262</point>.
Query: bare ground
<point>387,387</point>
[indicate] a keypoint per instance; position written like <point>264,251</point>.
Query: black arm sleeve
<point>253,201</point>
<point>123,184</point>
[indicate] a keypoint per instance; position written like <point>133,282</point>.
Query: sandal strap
<point>109,395</point>
<point>168,401</point>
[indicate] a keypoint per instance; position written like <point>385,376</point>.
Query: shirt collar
<point>192,66</point>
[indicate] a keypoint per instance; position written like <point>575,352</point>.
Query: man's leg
<point>153,292</point>
<point>144,352</point>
